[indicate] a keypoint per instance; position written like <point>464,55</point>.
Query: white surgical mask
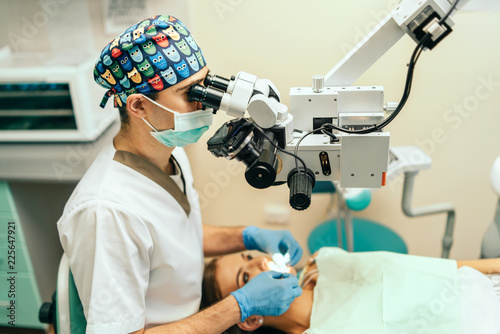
<point>188,127</point>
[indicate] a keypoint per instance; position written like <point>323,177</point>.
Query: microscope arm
<point>365,54</point>
<point>408,18</point>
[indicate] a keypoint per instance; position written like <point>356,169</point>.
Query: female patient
<point>226,274</point>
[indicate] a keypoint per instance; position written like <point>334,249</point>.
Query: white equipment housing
<point>347,107</point>
<point>51,98</point>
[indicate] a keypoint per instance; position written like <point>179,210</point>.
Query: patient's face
<point>235,270</point>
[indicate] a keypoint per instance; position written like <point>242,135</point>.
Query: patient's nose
<point>263,263</point>
<point>259,264</point>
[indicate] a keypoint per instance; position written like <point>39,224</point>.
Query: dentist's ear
<point>251,323</point>
<point>135,105</point>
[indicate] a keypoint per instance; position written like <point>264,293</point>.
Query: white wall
<point>288,42</point>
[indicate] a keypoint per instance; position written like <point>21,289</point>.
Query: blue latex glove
<point>269,294</point>
<point>270,241</point>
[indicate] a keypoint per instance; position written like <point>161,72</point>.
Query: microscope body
<point>354,160</point>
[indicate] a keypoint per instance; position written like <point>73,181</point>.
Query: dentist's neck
<point>136,138</point>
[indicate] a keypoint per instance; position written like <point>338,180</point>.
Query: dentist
<point>132,229</point>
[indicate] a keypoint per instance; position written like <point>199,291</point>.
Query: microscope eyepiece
<point>209,97</point>
<point>216,82</point>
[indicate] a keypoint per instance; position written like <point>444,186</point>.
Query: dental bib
<point>385,293</point>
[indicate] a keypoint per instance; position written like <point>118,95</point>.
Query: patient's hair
<point>210,287</point>
<point>211,294</point>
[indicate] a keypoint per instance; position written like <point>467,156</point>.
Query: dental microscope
<point>333,131</point>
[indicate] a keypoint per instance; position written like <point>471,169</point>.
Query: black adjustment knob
<point>301,184</point>
<point>46,313</point>
<point>260,175</point>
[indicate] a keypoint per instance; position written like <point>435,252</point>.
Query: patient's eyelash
<point>246,277</point>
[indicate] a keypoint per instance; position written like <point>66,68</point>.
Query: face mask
<point>188,127</point>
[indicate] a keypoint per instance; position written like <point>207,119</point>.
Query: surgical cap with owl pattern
<point>148,57</point>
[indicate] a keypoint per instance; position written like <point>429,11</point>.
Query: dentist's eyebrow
<point>192,83</point>
<point>189,85</point>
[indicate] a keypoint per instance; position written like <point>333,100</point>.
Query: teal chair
<point>368,236</point>
<point>365,235</point>
<point>66,310</point>
<point>69,309</point>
